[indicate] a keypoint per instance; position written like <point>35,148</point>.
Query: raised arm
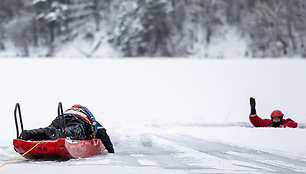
<point>254,118</point>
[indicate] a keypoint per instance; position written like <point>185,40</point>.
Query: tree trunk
<point>208,33</point>
<point>285,45</point>
<point>34,28</point>
<point>289,24</point>
<point>51,44</point>
<point>2,47</point>
<point>25,47</point>
<point>97,14</point>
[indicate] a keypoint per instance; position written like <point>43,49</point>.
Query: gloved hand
<point>252,104</point>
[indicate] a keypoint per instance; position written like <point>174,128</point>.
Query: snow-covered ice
<point>163,115</point>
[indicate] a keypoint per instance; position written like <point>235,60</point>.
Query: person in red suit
<point>275,121</point>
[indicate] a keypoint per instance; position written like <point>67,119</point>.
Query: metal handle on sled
<point>17,108</point>
<point>61,118</point>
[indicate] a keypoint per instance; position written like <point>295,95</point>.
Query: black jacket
<point>75,128</point>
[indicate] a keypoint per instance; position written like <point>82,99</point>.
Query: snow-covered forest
<point>152,28</point>
<point>170,80</point>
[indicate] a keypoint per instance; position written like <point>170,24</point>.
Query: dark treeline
<point>273,28</point>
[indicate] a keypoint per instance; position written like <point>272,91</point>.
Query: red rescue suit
<point>258,122</point>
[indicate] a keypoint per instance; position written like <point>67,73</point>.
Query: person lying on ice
<point>78,126</point>
<point>275,121</point>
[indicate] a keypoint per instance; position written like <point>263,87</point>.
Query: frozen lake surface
<point>163,115</point>
<point>174,149</point>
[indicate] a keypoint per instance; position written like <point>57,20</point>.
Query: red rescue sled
<point>60,148</point>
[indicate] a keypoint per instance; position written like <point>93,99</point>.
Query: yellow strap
<point>94,134</point>
<point>22,154</point>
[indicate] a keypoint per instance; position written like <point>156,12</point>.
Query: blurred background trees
<point>271,28</point>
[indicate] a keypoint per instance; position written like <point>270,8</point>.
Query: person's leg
<point>34,134</point>
<point>51,133</point>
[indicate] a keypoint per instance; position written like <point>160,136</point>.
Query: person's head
<point>76,105</point>
<point>276,118</point>
<point>77,108</point>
